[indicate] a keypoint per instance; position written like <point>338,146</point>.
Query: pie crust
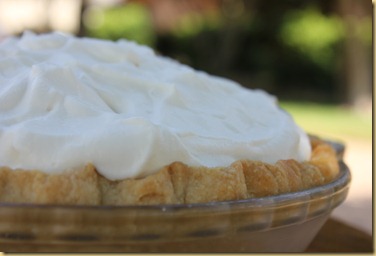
<point>176,183</point>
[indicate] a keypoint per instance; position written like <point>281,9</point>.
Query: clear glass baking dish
<point>282,223</point>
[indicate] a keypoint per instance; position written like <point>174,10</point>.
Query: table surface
<point>336,236</point>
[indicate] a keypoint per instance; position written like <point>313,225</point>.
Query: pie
<point>93,122</point>
<point>176,183</point>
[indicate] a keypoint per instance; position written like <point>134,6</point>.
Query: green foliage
<point>191,24</point>
<point>131,21</point>
<point>313,34</point>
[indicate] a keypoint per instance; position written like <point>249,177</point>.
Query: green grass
<point>330,120</point>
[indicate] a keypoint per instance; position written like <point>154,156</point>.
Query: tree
<point>356,69</point>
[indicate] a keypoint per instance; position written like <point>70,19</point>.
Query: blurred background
<point>314,55</point>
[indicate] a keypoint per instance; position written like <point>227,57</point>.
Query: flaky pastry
<point>176,183</point>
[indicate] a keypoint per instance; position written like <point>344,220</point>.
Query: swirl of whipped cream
<point>65,102</point>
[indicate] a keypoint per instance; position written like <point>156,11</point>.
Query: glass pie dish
<point>281,223</point>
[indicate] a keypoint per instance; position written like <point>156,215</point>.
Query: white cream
<point>65,102</point>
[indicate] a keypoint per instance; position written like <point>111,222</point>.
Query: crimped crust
<point>176,183</point>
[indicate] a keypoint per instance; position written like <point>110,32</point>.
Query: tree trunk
<point>356,88</point>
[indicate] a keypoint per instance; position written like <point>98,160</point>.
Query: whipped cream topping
<point>66,102</point>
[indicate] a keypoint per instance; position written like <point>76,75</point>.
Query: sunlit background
<point>314,55</point>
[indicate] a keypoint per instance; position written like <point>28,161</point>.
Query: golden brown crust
<point>153,188</point>
<point>79,186</point>
<point>176,183</point>
<point>202,184</point>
